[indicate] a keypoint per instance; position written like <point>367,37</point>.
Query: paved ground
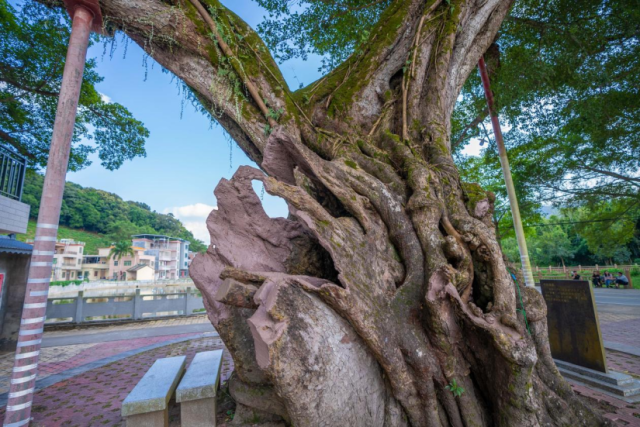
<point>94,398</point>
<point>70,349</point>
<point>625,297</point>
<point>85,373</point>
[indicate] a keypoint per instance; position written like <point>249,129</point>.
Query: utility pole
<point>506,171</point>
<point>86,17</point>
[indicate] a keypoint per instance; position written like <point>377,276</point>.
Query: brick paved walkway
<point>54,360</point>
<point>623,329</point>
<point>94,398</point>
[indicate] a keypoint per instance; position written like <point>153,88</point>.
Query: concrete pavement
<point>623,297</point>
<point>143,331</point>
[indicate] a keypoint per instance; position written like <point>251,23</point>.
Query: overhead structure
<point>506,171</point>
<point>86,18</point>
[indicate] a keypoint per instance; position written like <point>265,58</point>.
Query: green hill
<point>93,240</point>
<point>98,217</point>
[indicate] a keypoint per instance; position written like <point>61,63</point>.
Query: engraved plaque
<point>574,329</point>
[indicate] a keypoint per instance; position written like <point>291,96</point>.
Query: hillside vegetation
<point>98,217</point>
<point>92,241</point>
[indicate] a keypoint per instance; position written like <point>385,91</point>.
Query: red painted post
<point>504,162</point>
<point>86,15</point>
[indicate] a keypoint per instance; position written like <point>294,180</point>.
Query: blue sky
<point>186,156</point>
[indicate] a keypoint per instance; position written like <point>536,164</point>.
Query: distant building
<point>171,254</point>
<point>67,260</point>
<point>96,267</point>
<point>127,267</point>
<point>14,255</point>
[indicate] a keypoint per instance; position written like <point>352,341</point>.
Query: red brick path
<point>94,398</point>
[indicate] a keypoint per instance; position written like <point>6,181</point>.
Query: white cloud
<point>193,218</point>
<point>105,98</point>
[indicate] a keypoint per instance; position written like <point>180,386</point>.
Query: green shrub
<point>64,283</point>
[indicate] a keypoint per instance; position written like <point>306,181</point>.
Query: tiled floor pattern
<point>54,360</point>
<point>94,398</point>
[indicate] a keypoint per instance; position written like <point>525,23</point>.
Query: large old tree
<point>384,299</point>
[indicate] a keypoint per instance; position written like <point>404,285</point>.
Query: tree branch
<point>631,180</point>
<point>474,123</point>
<point>16,144</point>
<point>233,60</point>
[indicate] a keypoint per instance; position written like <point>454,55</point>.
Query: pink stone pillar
<point>23,377</point>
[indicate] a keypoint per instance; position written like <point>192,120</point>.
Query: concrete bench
<point>197,390</point>
<point>147,404</point>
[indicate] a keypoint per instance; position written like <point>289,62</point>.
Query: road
<point>627,297</point>
<point>610,297</point>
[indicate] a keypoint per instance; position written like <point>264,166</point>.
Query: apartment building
<point>154,257</point>
<point>171,254</point>
<point>128,267</point>
<point>96,267</point>
<point>67,260</point>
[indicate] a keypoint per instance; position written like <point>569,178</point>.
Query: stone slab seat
<point>197,390</point>
<point>147,404</point>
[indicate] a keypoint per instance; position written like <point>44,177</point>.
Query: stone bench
<point>197,390</point>
<point>147,404</point>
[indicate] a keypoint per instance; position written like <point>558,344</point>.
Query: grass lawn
<point>93,240</point>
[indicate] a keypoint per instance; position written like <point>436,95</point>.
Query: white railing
<point>101,285</point>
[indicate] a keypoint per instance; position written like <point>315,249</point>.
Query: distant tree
<point>122,230</point>
<point>121,249</point>
<point>607,234</point>
<point>32,56</point>
<point>553,245</point>
<point>565,80</point>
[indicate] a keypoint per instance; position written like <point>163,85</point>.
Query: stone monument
<point>574,330</point>
<point>576,341</point>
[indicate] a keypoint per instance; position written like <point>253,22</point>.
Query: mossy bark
<point>384,298</point>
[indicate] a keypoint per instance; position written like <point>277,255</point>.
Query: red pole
<point>506,171</point>
<point>23,377</point>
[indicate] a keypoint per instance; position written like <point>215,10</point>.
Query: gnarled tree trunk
<point>383,300</point>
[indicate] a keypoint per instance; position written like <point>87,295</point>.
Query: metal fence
<point>123,306</point>
<point>12,170</point>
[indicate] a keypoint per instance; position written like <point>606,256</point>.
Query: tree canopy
<point>565,77</point>
<point>33,46</point>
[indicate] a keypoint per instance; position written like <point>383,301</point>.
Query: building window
<point>127,263</point>
<point>71,274</point>
<point>115,263</point>
<point>80,249</point>
<point>55,260</point>
<point>79,261</point>
<point>95,274</point>
<point>152,263</point>
<point>64,274</point>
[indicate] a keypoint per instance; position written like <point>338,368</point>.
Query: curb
<point>622,348</point>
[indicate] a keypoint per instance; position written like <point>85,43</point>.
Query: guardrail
<point>136,305</point>
<point>12,170</point>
